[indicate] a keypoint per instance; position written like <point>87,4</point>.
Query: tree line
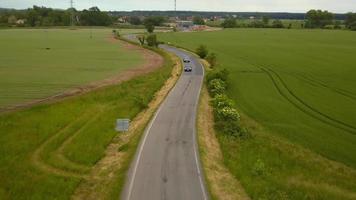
<point>313,19</point>
<point>42,16</point>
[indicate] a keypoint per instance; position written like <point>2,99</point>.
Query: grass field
<point>300,87</point>
<point>45,151</point>
<point>29,71</point>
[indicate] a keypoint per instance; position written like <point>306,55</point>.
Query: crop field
<point>36,63</point>
<point>47,150</point>
<point>300,88</point>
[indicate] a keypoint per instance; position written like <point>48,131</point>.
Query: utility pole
<point>72,12</point>
<point>175,9</point>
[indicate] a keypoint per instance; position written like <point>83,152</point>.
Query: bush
<point>211,58</point>
<point>231,128</point>
<point>227,114</point>
<point>152,40</point>
<point>277,24</point>
<point>202,51</point>
<point>353,26</point>
<point>229,23</point>
<point>216,86</point>
<point>221,101</point>
<point>218,74</point>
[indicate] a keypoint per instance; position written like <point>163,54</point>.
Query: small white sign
<point>122,125</point>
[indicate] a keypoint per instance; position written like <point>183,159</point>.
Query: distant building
<point>184,24</point>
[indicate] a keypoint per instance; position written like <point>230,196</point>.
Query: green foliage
<point>350,19</point>
<point>229,23</point>
<point>222,101</point>
<point>134,20</point>
<point>198,20</point>
<point>216,86</point>
<point>202,51</point>
<point>265,20</point>
<point>94,17</point>
<point>152,40</point>
<point>141,39</point>
<point>319,18</point>
<point>150,27</point>
<point>353,26</point>
<point>228,114</point>
<point>211,58</point>
<point>222,74</point>
<point>277,24</point>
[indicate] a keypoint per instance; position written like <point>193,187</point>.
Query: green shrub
<point>218,74</point>
<point>222,101</point>
<point>211,58</point>
<point>152,40</point>
<point>202,51</point>
<point>228,114</point>
<point>216,86</point>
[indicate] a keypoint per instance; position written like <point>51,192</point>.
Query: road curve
<point>166,165</point>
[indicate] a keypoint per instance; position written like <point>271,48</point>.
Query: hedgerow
<point>227,118</point>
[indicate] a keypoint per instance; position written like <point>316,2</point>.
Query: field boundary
<point>152,61</point>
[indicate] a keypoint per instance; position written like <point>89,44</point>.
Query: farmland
<point>36,63</point>
<point>47,150</point>
<point>296,91</point>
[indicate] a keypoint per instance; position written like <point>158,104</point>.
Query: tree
<point>229,23</point>
<point>319,18</point>
<point>94,17</point>
<point>135,20</point>
<point>277,24</point>
<point>353,26</point>
<point>198,20</point>
<point>265,20</point>
<point>202,51</point>
<point>149,27</point>
<point>152,40</point>
<point>350,19</point>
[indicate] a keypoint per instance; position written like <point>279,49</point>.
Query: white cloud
<point>199,5</point>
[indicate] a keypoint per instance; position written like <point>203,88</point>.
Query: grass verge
<point>108,176</point>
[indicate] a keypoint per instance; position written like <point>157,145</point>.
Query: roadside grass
<point>221,183</point>
<point>89,117</point>
<point>108,176</point>
<point>29,71</point>
<point>298,86</point>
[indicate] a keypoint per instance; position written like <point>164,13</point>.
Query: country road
<point>166,165</point>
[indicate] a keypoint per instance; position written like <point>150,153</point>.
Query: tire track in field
<point>49,168</point>
<point>315,82</point>
<point>303,106</point>
<point>59,153</point>
<point>43,166</point>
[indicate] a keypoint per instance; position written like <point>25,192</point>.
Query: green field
<point>47,150</point>
<point>300,85</point>
<point>28,70</point>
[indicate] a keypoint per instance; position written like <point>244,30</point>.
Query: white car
<point>186,60</point>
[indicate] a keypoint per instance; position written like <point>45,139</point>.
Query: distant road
<point>167,163</point>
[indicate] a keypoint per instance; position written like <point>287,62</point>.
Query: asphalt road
<point>167,163</point>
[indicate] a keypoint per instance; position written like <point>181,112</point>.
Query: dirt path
<point>152,62</point>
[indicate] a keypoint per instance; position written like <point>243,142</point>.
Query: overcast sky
<point>337,6</point>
